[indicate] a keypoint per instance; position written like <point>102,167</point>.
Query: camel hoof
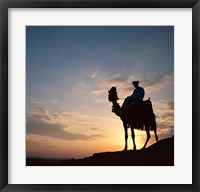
<point>156,139</point>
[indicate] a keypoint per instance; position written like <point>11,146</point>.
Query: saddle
<point>141,106</point>
<point>141,111</point>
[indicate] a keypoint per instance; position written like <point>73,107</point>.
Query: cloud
<point>34,100</point>
<point>97,92</point>
<point>47,115</point>
<point>42,121</point>
<point>166,133</point>
<point>93,75</point>
<point>124,83</point>
<point>152,84</point>
<point>41,114</point>
<point>117,80</point>
<point>164,106</point>
<point>37,102</point>
<point>83,85</point>
<point>55,130</point>
<point>157,83</point>
<point>164,111</point>
<point>53,101</point>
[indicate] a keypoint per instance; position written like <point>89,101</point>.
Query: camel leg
<point>148,136</point>
<point>154,127</point>
<point>133,138</point>
<point>156,136</point>
<point>126,135</point>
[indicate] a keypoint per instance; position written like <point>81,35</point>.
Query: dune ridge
<point>158,154</point>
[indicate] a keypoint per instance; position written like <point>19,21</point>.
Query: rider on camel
<point>138,95</point>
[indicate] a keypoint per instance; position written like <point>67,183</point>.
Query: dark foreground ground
<point>158,154</point>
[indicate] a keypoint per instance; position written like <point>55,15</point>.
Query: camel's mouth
<point>118,111</point>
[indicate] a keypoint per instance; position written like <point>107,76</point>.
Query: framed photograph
<point>99,95</point>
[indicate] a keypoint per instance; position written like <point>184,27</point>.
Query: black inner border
<point>6,4</point>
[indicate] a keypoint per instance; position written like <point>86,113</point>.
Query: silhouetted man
<point>138,95</point>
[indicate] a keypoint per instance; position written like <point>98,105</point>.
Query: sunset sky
<point>69,70</point>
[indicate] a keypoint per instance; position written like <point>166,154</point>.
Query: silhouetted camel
<point>139,115</point>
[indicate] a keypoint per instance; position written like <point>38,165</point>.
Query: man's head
<point>135,83</point>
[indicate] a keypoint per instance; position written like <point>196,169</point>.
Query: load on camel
<point>134,113</point>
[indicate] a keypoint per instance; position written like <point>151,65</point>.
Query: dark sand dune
<point>158,154</point>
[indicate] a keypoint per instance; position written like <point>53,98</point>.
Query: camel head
<point>112,97</point>
<point>112,94</point>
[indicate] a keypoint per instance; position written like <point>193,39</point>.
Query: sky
<point>69,70</point>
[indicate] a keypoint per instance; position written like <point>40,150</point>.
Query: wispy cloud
<point>97,92</point>
<point>165,117</point>
<point>55,130</point>
<point>150,83</point>
<point>34,100</point>
<point>156,83</point>
<point>83,85</point>
<point>43,121</point>
<point>93,75</point>
<point>117,80</point>
<point>125,87</point>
